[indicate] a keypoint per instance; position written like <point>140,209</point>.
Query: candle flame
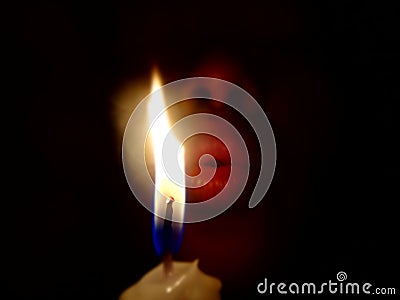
<point>166,188</point>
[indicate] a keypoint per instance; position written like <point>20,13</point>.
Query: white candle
<point>186,282</point>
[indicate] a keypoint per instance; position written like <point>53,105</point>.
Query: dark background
<point>325,71</point>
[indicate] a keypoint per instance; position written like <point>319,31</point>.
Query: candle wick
<point>170,200</point>
<point>167,263</point>
<point>167,257</point>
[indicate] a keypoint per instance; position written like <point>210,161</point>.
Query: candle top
<point>186,282</point>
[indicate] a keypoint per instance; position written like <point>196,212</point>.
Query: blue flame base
<point>167,237</point>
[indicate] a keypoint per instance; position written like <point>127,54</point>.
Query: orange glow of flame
<point>167,188</point>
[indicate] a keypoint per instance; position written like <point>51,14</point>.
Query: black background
<point>70,233</point>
